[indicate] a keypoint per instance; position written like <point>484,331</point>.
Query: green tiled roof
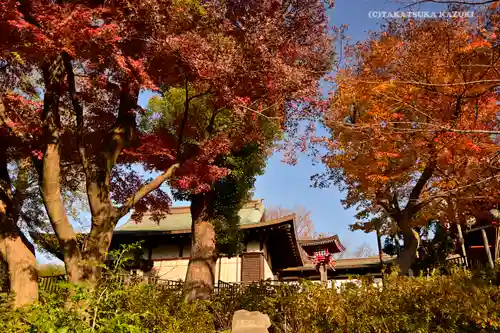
<point>180,219</point>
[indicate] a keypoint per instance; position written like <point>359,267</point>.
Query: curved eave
<point>283,243</point>
<point>309,245</point>
<point>283,239</point>
<point>367,264</point>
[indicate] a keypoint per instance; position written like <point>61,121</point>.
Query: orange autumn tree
<point>414,122</point>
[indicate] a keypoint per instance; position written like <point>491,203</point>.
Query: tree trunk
<point>15,250</point>
<point>51,194</point>
<point>50,172</point>
<point>23,277</point>
<point>200,276</point>
<point>409,253</point>
<point>98,177</point>
<point>98,243</point>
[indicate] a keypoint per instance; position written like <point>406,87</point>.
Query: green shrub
<point>457,303</point>
<point>460,302</point>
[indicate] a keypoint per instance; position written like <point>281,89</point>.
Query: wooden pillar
<point>487,248</point>
<point>323,273</point>
<point>220,268</point>
<point>379,244</point>
<point>380,254</point>
<point>462,244</point>
<point>453,206</point>
<point>237,269</point>
<point>497,244</point>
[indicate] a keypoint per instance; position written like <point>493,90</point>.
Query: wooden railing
<point>50,283</point>
<point>459,261</point>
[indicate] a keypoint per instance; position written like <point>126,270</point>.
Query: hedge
<point>460,302</point>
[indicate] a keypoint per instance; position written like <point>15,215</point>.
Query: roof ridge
<point>187,209</point>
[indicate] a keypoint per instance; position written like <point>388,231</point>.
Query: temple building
<point>272,250</point>
<point>270,246</point>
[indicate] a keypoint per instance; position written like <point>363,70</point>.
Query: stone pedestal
<point>250,322</point>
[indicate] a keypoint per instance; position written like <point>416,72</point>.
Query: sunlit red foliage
<point>91,59</point>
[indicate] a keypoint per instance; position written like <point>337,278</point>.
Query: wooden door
<point>252,267</point>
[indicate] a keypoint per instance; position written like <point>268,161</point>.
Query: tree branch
<point>184,119</point>
<point>426,84</point>
<point>148,188</point>
<point>395,202</point>
<point>445,194</point>
<point>419,186</point>
<point>433,127</point>
<point>11,203</point>
<point>77,107</point>
<point>122,131</point>
<point>22,184</point>
<point>385,207</point>
<point>200,94</point>
<point>158,181</point>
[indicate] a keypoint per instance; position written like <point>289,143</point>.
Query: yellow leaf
<point>17,57</point>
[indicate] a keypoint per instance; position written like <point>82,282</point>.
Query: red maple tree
<point>89,61</point>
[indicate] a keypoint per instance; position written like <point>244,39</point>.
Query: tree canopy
<point>72,73</point>
<point>414,124</point>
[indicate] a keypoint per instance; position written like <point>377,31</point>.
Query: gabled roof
<point>280,233</point>
<point>331,242</point>
<point>178,221</point>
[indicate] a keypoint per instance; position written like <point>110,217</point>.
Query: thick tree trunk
<point>409,253</point>
<point>200,276</point>
<point>51,194</point>
<point>23,277</point>
<point>98,243</point>
<point>49,172</point>
<point>19,255</point>
<point>15,250</point>
<point>98,176</point>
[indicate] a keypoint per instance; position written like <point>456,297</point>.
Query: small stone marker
<point>250,322</point>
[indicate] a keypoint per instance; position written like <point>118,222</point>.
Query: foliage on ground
<point>460,302</point>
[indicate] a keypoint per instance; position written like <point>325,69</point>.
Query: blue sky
<point>288,186</point>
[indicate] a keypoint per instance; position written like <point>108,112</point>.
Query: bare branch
<point>261,112</point>
<point>148,188</point>
<point>433,127</point>
<point>417,83</point>
<point>458,2</point>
